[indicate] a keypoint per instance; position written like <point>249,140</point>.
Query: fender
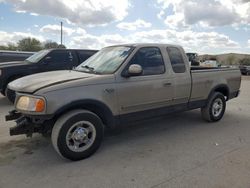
<point>223,88</point>
<point>98,107</point>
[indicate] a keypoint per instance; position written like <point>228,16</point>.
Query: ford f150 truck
<point>42,61</point>
<point>117,85</point>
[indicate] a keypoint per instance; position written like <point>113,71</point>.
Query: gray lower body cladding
<point>42,124</point>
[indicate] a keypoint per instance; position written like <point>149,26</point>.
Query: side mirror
<point>133,70</point>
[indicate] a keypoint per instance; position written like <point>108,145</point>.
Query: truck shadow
<point>154,126</point>
<point>163,127</point>
<point>14,148</point>
<point>139,130</point>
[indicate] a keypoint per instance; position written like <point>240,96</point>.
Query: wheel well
<point>99,109</point>
<point>224,90</point>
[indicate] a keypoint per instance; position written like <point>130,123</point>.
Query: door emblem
<point>109,90</point>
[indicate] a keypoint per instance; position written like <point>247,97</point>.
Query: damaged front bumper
<point>27,125</point>
<point>13,115</point>
<point>23,124</point>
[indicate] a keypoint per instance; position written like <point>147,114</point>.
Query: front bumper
<point>13,115</point>
<point>28,125</point>
<point>23,124</point>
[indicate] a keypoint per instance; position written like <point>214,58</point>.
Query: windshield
<point>37,56</point>
<point>106,61</point>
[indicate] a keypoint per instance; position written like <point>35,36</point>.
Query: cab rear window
<point>176,60</point>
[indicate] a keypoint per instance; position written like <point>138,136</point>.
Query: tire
<point>215,108</point>
<point>74,128</point>
<point>248,73</point>
<point>11,95</point>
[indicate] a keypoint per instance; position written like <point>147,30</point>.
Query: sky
<point>203,26</point>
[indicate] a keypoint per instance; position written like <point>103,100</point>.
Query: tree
<point>245,61</point>
<point>231,60</point>
<point>2,47</point>
<point>50,44</point>
<point>29,44</point>
<point>12,47</point>
<point>61,46</point>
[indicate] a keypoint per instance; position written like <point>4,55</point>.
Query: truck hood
<point>32,83</point>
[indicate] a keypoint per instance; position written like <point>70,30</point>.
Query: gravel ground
<point>174,151</point>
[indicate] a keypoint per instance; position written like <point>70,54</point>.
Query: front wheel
<point>77,134</point>
<point>215,108</point>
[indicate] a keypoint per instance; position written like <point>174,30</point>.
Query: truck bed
<point>206,79</point>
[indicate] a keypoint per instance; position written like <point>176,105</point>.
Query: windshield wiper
<point>91,69</point>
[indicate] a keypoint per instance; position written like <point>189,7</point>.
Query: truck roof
<point>148,44</point>
<point>51,49</point>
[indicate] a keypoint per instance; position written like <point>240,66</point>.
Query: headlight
<point>31,104</point>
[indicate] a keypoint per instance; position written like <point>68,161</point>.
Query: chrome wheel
<point>217,107</point>
<point>81,136</point>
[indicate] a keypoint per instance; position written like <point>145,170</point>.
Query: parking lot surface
<point>178,150</point>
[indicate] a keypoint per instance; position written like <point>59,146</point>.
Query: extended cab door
<point>181,73</point>
<point>151,90</point>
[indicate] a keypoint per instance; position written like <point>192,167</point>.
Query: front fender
<point>95,106</point>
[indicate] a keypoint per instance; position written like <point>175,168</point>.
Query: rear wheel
<point>215,108</point>
<point>77,134</point>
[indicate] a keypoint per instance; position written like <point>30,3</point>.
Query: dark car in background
<point>42,61</point>
<point>8,56</point>
<point>244,69</point>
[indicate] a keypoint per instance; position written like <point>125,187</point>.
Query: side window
<point>150,59</point>
<point>60,56</point>
<point>176,60</point>
<point>83,55</point>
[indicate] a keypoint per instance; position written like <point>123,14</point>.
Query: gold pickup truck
<point>117,85</point>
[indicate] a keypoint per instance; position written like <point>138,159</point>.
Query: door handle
<point>167,84</point>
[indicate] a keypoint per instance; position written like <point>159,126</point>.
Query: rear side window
<point>83,55</point>
<point>176,60</point>
<point>150,59</point>
<point>61,57</point>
